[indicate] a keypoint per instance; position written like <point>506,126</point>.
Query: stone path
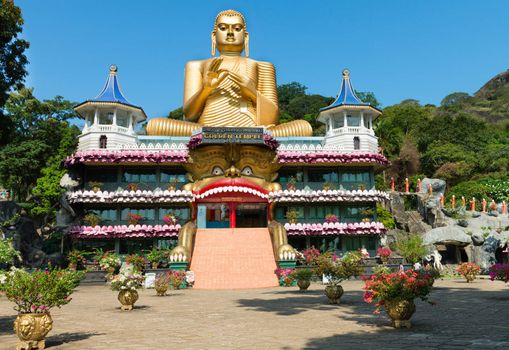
<point>467,316</point>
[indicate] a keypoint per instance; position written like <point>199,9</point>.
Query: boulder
<point>437,185</point>
<point>477,239</point>
<point>463,223</point>
<point>446,234</point>
<point>493,213</point>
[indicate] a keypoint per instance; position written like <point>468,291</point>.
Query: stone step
<point>233,259</point>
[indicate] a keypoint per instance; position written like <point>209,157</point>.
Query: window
<point>122,119</point>
<point>353,120</point>
<point>173,177</point>
<point>338,122</point>
<point>106,118</point>
<point>108,216</point>
<point>356,143</point>
<point>323,175</point>
<point>130,246</point>
<point>148,214</point>
<point>139,176</point>
<point>286,174</point>
<point>103,141</point>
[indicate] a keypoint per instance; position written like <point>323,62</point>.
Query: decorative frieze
<point>336,228</point>
<point>328,196</point>
<point>124,231</point>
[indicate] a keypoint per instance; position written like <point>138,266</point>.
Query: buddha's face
<point>230,34</point>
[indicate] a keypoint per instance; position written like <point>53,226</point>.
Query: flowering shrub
<point>499,272</point>
<point>338,269</point>
<point>155,256</point>
<point>302,274</point>
<point>331,218</point>
<point>75,257</point>
<point>108,261</point>
<point>162,279</point>
<point>310,255</point>
<point>127,279</point>
<point>405,285</point>
<point>190,278</point>
<point>133,187</point>
<point>39,291</point>
<point>7,252</point>
<point>285,276</point>
<point>468,269</point>
<point>170,219</point>
<point>137,261</point>
<point>384,252</point>
<point>133,219</point>
<point>176,278</point>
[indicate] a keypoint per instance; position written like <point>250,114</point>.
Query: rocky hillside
<point>492,100</point>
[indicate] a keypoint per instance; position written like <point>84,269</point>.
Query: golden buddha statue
<point>229,90</point>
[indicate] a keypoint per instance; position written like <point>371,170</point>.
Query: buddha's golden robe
<point>226,105</point>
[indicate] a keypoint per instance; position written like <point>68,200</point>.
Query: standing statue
<point>437,260</point>
<point>230,90</point>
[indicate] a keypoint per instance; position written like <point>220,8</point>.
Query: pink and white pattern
<point>124,231</point>
<point>328,196</point>
<point>325,156</point>
<point>129,156</point>
<point>157,196</point>
<point>337,228</point>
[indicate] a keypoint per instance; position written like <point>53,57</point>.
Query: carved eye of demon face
<point>247,171</point>
<point>216,171</point>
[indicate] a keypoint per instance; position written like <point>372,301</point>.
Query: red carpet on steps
<point>233,259</point>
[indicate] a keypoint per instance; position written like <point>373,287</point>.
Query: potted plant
<point>396,293</point>
<point>284,276</point>
<point>177,279</point>
<point>95,185</point>
<point>92,219</point>
<point>161,284</point>
<point>291,184</point>
<point>7,252</point>
<point>331,218</point>
<point>303,277</point>
<point>133,219</point>
<point>170,219</point>
<point>109,262</point>
<point>328,186</point>
<point>189,278</point>
<point>292,215</point>
<point>361,186</point>
<point>368,214</point>
<point>126,283</point>
<point>35,294</point>
<point>132,187</point>
<point>155,256</point>
<point>336,270</point>
<point>75,258</point>
<point>137,261</point>
<point>469,271</point>
<point>384,253</point>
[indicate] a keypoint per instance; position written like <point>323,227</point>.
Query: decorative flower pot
<point>171,188</point>
<point>155,265</point>
<point>161,289</point>
<point>334,293</point>
<point>400,312</point>
<point>127,298</point>
<point>31,330</point>
<point>384,259</point>
<point>96,189</point>
<point>303,284</point>
<point>470,277</point>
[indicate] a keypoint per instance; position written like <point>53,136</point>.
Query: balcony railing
<point>350,186</point>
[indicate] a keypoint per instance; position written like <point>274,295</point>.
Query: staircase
<point>233,259</point>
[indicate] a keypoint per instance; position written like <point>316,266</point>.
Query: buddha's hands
<point>214,76</point>
<point>247,87</point>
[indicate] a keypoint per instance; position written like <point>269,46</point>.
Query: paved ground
<point>467,316</point>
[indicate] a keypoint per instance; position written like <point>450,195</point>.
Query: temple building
<point>230,183</point>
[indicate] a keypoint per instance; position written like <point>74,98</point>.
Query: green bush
<point>385,217</point>
<point>302,274</point>
<point>410,247</point>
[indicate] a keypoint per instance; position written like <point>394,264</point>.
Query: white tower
<point>109,118</point>
<point>349,121</point>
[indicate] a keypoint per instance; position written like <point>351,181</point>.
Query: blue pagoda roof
<point>347,96</point>
<point>111,93</point>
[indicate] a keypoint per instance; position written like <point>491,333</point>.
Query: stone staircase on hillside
<point>233,259</point>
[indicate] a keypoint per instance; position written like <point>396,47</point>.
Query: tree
<point>368,97</point>
<point>12,59</point>
<point>287,92</point>
<point>455,99</point>
<point>408,162</point>
<point>177,113</point>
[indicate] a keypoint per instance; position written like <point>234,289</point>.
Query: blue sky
<point>396,49</point>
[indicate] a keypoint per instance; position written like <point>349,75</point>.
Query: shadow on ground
<point>64,338</point>
<point>6,324</point>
